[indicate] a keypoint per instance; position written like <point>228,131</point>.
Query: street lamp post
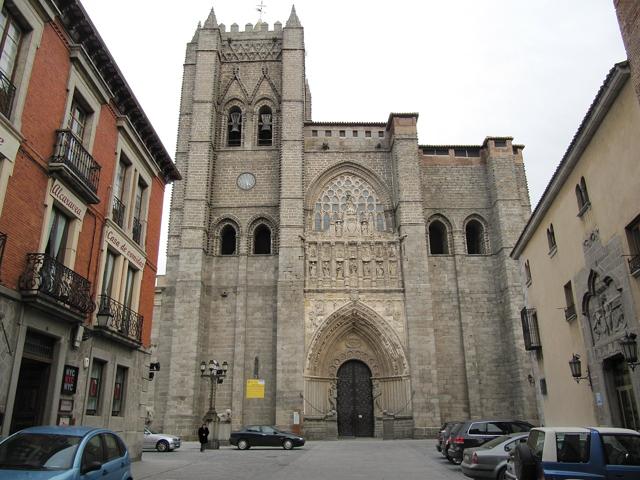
<point>216,375</point>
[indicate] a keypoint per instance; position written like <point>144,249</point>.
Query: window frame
<point>551,240</point>
<point>99,395</point>
<point>122,391</point>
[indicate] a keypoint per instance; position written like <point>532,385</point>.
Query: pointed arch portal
<point>356,369</point>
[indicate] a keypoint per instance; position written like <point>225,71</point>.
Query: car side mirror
<point>507,448</point>
<point>92,467</point>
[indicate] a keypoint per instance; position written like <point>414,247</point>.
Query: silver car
<point>159,441</point>
<point>490,459</point>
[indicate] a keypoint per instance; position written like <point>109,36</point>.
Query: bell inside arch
<point>266,121</point>
<point>235,121</point>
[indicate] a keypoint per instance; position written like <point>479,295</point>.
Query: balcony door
<point>58,234</point>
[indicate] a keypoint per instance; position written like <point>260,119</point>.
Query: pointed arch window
<point>228,240</point>
<point>438,238</point>
<point>234,127</point>
<point>582,196</point>
<point>262,240</point>
<point>474,232</point>
<point>551,239</point>
<point>265,127</point>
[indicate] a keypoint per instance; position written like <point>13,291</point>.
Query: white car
<point>159,441</point>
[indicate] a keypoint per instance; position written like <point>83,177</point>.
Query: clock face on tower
<point>246,181</point>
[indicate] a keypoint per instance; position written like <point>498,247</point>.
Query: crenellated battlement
<point>250,31</point>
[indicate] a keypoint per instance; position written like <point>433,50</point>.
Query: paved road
<point>366,459</point>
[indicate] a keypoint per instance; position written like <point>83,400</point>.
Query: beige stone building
<point>580,257</point>
<point>359,274</point>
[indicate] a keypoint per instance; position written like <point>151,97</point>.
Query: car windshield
<point>38,451</point>
<point>622,449</point>
<point>152,431</point>
<point>496,441</point>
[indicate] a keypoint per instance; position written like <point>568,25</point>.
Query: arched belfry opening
<point>354,400</point>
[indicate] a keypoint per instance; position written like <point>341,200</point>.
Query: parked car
<point>490,459</point>
<point>474,433</point>
<point>64,453</point>
<point>159,441</point>
<point>264,436</point>
<point>444,430</point>
<point>595,453</point>
<point>448,438</point>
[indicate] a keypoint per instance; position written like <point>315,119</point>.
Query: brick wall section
<point>22,217</point>
<point>628,12</point>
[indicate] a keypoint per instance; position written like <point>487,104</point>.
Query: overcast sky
<point>470,68</point>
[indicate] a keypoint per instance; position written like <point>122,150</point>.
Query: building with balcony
<point>578,254</point>
<point>82,179</point>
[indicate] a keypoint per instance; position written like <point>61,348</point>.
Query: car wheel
<point>287,444</point>
<point>502,474</point>
<point>243,445</point>
<point>162,446</point>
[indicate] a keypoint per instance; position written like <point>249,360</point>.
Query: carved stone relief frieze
<point>249,51</point>
<point>604,308</point>
<point>355,264</point>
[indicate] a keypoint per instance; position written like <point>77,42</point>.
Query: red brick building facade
<point>82,178</point>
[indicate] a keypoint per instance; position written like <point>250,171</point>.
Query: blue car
<point>64,453</point>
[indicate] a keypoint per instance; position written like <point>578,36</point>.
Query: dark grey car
<point>490,459</point>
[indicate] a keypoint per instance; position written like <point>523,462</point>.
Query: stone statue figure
<point>339,270</point>
<point>379,270</point>
<point>312,269</point>
<point>349,206</point>
<point>326,271</point>
<point>366,269</point>
<point>353,268</point>
<point>393,269</point>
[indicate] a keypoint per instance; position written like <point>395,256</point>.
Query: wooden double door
<point>355,400</point>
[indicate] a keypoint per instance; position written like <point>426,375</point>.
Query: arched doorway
<point>355,400</point>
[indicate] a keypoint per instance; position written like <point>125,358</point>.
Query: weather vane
<point>260,8</point>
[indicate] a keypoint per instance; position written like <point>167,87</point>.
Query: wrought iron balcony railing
<point>7,92</point>
<point>71,158</point>
<point>119,318</point>
<point>530,329</point>
<point>634,265</point>
<point>118,211</point>
<point>45,275</point>
<point>137,230</point>
<point>570,312</point>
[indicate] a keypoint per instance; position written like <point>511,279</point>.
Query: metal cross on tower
<point>260,8</point>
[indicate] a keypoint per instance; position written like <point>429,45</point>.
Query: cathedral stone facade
<point>362,276</point>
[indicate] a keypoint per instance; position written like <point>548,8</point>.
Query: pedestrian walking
<point>203,436</point>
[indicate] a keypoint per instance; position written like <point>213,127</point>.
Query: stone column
<point>188,231</point>
<point>290,309</point>
<point>510,204</point>
<point>415,270</point>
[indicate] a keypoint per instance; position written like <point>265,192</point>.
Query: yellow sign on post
<point>255,388</point>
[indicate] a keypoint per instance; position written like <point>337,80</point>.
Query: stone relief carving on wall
<point>359,318</point>
<point>351,264</point>
<point>603,307</point>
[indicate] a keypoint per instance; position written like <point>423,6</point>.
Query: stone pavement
<point>369,459</point>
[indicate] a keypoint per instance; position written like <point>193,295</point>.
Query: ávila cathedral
<point>357,274</point>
